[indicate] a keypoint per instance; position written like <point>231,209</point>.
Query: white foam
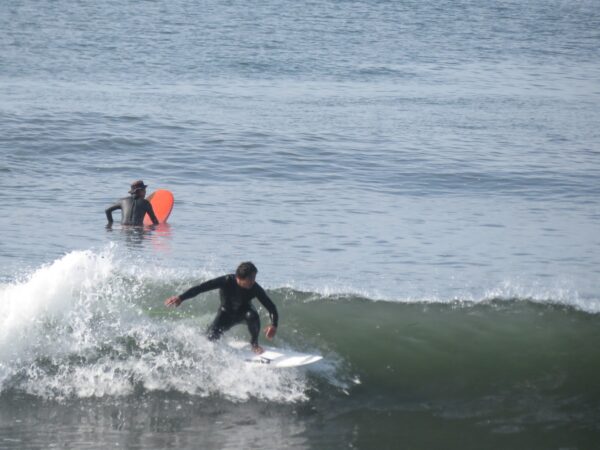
<point>48,294</point>
<point>559,291</point>
<point>77,328</point>
<point>556,292</point>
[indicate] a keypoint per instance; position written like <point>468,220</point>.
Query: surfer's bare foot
<point>257,349</point>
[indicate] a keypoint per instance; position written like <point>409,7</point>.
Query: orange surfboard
<point>162,203</point>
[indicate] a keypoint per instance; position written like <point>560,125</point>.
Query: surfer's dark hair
<point>246,270</point>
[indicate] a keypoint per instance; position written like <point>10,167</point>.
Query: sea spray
<point>84,327</point>
<point>49,294</point>
<point>92,324</point>
<point>98,332</point>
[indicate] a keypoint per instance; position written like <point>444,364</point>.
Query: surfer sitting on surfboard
<point>133,208</point>
<point>236,292</point>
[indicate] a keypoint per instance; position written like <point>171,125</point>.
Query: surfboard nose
<point>162,202</point>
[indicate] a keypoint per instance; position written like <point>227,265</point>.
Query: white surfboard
<point>275,357</point>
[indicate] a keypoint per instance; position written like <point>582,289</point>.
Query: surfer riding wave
<point>236,292</point>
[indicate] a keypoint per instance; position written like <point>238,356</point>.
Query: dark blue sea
<point>418,183</point>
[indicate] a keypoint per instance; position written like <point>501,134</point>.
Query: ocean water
<point>417,182</point>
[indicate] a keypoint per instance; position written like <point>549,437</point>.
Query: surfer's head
<point>245,274</point>
<point>138,188</point>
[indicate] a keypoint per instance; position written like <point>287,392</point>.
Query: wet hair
<point>245,270</point>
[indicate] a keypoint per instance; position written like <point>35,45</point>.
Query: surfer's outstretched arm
<point>209,285</point>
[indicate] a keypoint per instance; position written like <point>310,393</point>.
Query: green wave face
<point>85,329</point>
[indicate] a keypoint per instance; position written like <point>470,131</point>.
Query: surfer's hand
<point>270,331</point>
<point>173,301</point>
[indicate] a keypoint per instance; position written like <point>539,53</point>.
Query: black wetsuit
<point>133,211</point>
<point>236,306</point>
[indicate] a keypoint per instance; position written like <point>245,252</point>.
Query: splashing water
<point>78,328</point>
